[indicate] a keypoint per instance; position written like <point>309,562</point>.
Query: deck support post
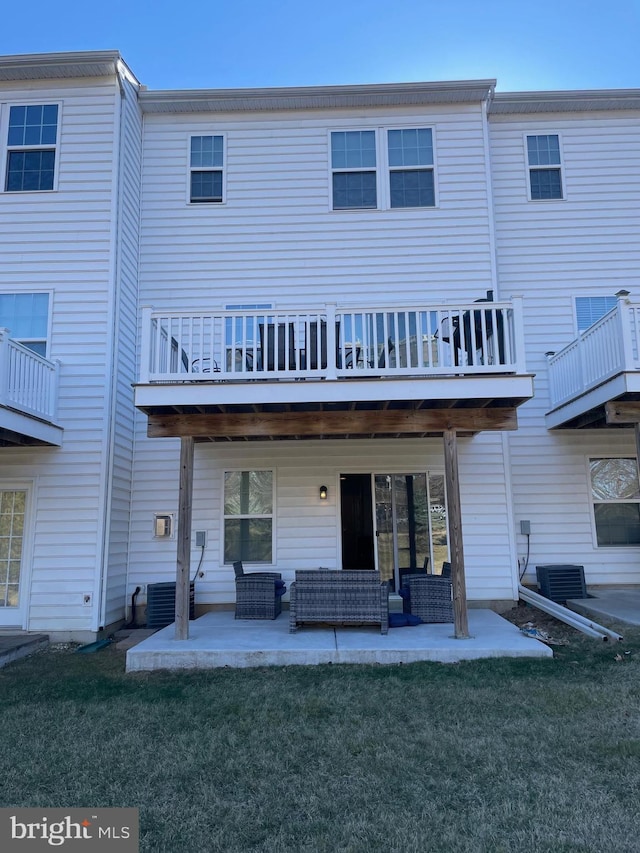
<point>454,521</point>
<point>183,563</point>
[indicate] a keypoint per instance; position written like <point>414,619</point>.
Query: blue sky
<point>525,44</point>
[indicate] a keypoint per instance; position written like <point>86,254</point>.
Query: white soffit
<point>588,100</point>
<point>315,97</point>
<point>58,66</point>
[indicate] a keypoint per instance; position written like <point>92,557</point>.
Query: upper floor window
<point>411,178</point>
<point>26,315</point>
<point>31,147</point>
<point>589,309</point>
<point>206,169</point>
<point>358,157</point>
<point>545,174</point>
<point>353,161</point>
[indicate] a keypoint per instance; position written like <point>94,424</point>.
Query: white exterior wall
<point>123,356</point>
<point>549,252</point>
<point>61,241</point>
<point>307,530</point>
<point>277,240</point>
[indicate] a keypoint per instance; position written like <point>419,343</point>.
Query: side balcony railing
<point>28,382</point>
<point>602,351</point>
<point>333,343</point>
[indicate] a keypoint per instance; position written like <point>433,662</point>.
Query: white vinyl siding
<point>307,530</point>
<point>549,254</point>
<point>67,250</point>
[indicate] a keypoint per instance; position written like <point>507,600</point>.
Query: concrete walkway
<point>16,646</point>
<point>219,640</point>
<point>609,605</point>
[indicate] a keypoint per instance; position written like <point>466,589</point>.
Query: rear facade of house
<point>318,286</point>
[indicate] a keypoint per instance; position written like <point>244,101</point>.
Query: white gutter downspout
<point>570,617</point>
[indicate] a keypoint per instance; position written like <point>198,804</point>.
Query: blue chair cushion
<point>398,620</point>
<point>403,592</point>
<point>280,591</point>
<point>280,584</point>
<point>412,620</point>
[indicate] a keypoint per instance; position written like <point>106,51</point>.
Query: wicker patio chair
<point>430,598</point>
<point>258,594</point>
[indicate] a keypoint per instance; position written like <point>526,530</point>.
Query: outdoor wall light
<point>622,294</point>
<point>323,493</point>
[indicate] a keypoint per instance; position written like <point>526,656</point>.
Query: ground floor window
<point>12,509</point>
<point>615,493</point>
<point>248,516</point>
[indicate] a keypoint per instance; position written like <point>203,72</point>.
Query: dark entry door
<point>356,506</point>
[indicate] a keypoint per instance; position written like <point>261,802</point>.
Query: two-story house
<point>312,327</point>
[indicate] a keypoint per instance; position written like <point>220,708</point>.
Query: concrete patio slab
<point>219,640</point>
<point>16,646</point>
<point>609,605</point>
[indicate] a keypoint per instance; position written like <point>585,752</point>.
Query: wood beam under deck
<point>316,424</point>
<point>183,562</point>
<point>454,521</point>
<point>623,412</point>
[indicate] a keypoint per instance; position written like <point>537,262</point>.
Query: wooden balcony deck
<point>351,361</point>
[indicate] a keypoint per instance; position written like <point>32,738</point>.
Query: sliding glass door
<point>411,525</point>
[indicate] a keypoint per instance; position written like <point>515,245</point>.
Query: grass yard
<point>496,755</point>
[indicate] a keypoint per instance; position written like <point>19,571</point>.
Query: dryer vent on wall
<point>161,604</point>
<point>560,582</point>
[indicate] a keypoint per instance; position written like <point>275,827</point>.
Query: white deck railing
<point>332,342</point>
<point>28,382</point>
<point>602,351</point>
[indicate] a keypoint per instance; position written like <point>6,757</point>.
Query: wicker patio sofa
<point>346,597</point>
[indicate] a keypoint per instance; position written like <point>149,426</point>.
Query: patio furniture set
<point>344,597</point>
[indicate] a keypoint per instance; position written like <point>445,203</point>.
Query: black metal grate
<point>560,582</point>
<point>161,604</point>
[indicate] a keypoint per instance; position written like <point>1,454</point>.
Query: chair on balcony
<point>258,594</point>
<point>280,355</point>
<point>464,340</point>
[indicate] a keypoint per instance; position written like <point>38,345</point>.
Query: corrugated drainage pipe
<point>575,620</point>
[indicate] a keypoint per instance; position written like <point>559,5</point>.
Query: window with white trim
<point>355,177</point>
<point>248,516</point>
<point>615,494</point>
<point>411,172</point>
<point>360,157</point>
<point>26,315</point>
<point>589,309</point>
<point>545,173</point>
<point>32,140</point>
<point>206,165</point>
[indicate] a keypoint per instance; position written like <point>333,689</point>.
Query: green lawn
<point>491,756</point>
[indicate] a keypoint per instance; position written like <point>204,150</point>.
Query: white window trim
<point>382,169</point>
<point>5,148</point>
<point>592,502</point>
<point>207,204</point>
<point>29,292</point>
<point>272,515</point>
<point>388,169</point>
<point>529,168</point>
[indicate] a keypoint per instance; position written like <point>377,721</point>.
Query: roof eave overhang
<point>316,97</point>
<point>60,66</point>
<point>587,100</point>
